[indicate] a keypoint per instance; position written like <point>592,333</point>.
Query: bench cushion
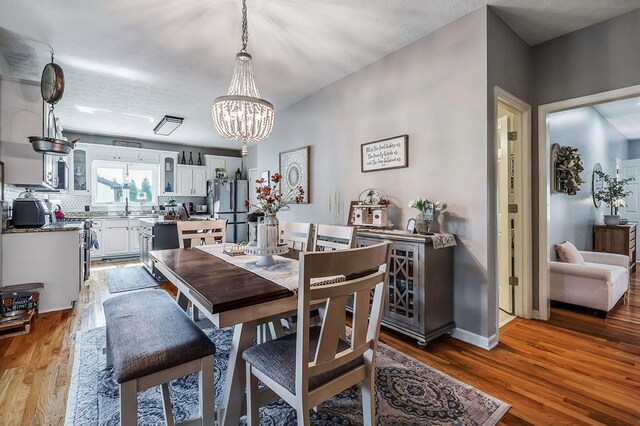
<point>277,359</point>
<point>148,332</point>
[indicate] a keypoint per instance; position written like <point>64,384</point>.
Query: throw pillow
<point>567,252</point>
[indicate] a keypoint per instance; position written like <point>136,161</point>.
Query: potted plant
<point>427,215</point>
<point>270,201</point>
<point>613,193</point>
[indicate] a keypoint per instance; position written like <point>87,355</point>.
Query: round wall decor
<point>596,184</point>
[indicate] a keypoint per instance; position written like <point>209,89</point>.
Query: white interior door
<point>504,296</point>
<point>631,168</point>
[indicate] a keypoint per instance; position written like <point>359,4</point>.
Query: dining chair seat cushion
<point>277,359</point>
<point>149,332</point>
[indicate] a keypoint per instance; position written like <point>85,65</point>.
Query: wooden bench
<point>151,341</point>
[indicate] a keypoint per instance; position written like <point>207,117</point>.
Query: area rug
<point>127,278</point>
<point>408,392</point>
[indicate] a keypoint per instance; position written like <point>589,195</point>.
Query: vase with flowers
<point>613,193</point>
<point>270,200</point>
<point>427,215</point>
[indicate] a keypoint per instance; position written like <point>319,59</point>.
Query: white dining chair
<point>312,365</point>
<point>297,235</point>
<point>332,237</point>
<point>198,232</point>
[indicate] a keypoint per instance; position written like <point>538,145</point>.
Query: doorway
<point>513,208</point>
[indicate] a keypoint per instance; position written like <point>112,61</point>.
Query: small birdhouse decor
<point>372,209</point>
<point>566,166</point>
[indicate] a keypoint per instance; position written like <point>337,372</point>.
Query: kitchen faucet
<point>127,212</point>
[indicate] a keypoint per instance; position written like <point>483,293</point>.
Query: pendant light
<point>242,115</point>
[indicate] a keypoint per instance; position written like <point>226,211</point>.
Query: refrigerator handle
<point>232,200</point>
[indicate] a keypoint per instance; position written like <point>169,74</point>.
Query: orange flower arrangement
<point>270,200</point>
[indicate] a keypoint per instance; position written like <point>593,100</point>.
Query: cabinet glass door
<point>169,170</point>
<point>79,170</point>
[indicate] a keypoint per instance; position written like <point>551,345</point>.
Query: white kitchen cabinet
<point>168,172</point>
<point>149,156</point>
<point>233,164</point>
<point>134,235</point>
<point>80,170</point>
<point>192,181</point>
<point>115,236</point>
<point>52,258</point>
<point>200,181</point>
<point>116,153</point>
<point>21,116</point>
<point>230,164</point>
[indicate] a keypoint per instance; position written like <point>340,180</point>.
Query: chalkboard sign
<point>391,153</point>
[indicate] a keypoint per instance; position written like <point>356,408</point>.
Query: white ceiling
<point>624,115</point>
<point>129,62</point>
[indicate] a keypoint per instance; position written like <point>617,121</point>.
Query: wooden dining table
<point>228,295</point>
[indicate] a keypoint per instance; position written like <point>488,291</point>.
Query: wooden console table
<point>420,299</point>
<point>619,239</point>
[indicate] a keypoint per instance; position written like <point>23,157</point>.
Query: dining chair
<point>310,366</point>
<point>198,232</point>
<point>332,237</point>
<point>297,235</point>
<point>202,231</point>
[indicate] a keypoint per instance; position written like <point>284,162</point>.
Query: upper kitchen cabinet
<point>168,173</point>
<point>116,153</point>
<point>229,164</point>
<point>192,181</point>
<point>21,116</point>
<point>80,169</point>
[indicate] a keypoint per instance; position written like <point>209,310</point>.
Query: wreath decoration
<point>566,166</point>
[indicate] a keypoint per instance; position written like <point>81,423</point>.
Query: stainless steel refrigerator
<point>229,196</point>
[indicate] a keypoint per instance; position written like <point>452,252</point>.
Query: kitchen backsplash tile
<point>75,203</point>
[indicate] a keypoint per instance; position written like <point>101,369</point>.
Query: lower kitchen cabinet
<point>419,302</point>
<point>115,236</point>
<point>134,235</point>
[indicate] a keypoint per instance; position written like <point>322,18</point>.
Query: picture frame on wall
<point>385,154</point>
<point>294,168</point>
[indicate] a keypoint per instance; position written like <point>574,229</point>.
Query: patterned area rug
<point>408,392</point>
<point>126,278</point>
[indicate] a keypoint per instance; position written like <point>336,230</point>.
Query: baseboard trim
<point>487,343</point>
<point>535,314</point>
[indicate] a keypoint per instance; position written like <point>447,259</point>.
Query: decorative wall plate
<point>294,168</point>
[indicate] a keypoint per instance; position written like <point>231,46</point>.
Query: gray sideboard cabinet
<point>420,299</point>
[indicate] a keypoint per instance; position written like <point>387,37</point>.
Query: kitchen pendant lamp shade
<point>242,115</point>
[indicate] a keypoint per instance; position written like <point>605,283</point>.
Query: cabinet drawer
<point>115,223</point>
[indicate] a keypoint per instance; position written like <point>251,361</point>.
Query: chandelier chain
<point>245,29</point>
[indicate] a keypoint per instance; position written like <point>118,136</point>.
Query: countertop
<point>161,221</point>
<point>54,227</point>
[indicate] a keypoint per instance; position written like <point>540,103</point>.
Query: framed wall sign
<point>385,154</point>
<point>294,168</point>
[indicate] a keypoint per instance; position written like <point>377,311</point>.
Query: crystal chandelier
<point>242,115</point>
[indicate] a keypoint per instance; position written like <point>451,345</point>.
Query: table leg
<point>234,385</point>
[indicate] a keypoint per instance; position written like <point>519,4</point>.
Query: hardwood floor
<point>573,369</point>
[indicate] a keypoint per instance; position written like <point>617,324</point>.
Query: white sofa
<point>598,284</point>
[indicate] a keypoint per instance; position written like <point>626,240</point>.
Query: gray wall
<point>435,91</point>
<point>634,149</point>
<point>510,66</point>
<point>597,140</point>
<point>162,146</point>
<point>599,58</point>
